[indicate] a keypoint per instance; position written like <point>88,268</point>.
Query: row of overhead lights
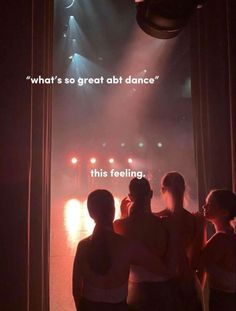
<point>75,160</point>
<point>140,144</point>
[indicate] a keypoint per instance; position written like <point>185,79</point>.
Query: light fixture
<point>164,19</point>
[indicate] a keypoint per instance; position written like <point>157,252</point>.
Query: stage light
<point>122,145</point>
<point>159,145</point>
<point>165,19</point>
<point>70,4</point>
<point>104,145</point>
<point>111,160</point>
<point>81,65</point>
<point>74,160</point>
<point>141,145</point>
<point>93,160</point>
<point>130,160</point>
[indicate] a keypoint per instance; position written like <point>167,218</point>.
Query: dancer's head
<point>173,189</point>
<point>220,206</point>
<point>140,190</point>
<point>101,207</point>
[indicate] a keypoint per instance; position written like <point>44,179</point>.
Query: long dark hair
<point>101,208</point>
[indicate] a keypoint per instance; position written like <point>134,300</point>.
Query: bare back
<point>120,258</point>
<point>146,229</point>
<point>123,255</point>
<point>190,232</point>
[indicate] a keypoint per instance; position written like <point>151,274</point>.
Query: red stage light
<point>74,160</point>
<point>130,160</point>
<point>93,160</point>
<point>111,160</point>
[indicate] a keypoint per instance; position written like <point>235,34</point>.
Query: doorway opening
<point>121,106</point>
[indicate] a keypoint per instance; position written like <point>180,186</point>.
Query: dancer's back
<point>189,232</point>
<point>121,254</point>
<point>146,290</point>
<point>219,254</point>
<point>145,228</point>
<point>190,229</point>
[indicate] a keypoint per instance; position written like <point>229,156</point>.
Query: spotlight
<point>93,160</point>
<point>74,160</point>
<point>130,160</point>
<point>159,145</point>
<point>111,160</point>
<point>122,145</point>
<point>165,19</point>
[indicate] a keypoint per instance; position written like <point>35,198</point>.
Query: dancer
<point>147,291</point>
<point>219,254</point>
<point>189,231</point>
<point>102,261</point>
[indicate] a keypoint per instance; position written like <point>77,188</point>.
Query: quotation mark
<point>28,78</point>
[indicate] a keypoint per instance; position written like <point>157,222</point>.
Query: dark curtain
<point>40,150</point>
<point>25,127</point>
<point>213,48</point>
